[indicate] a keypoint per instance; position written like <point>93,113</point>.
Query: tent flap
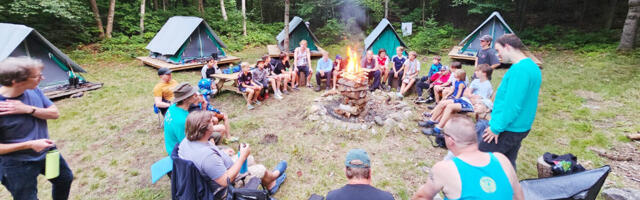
<point>384,27</point>
<point>178,29</point>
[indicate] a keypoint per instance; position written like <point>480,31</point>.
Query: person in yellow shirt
<point>163,91</point>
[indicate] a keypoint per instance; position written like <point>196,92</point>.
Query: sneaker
<point>281,167</point>
<point>279,182</point>
<point>309,86</point>
<point>285,92</point>
<point>250,107</point>
<point>430,100</point>
<point>427,123</point>
<point>426,114</point>
<point>258,102</point>
<point>296,89</point>
<point>428,131</point>
<point>278,97</point>
<point>317,89</point>
<point>421,100</point>
<point>387,88</point>
<point>399,95</point>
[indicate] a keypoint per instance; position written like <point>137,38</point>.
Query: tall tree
<point>142,17</point>
<point>244,17</point>
<point>164,4</point>
<point>96,16</point>
<point>386,9</point>
<point>610,14</point>
<point>224,12</point>
<point>155,5</point>
<point>286,25</point>
<point>201,7</point>
<point>112,8</point>
<point>630,26</point>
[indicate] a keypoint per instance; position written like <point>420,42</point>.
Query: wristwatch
<point>33,111</point>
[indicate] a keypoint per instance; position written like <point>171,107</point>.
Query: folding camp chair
<point>582,185</point>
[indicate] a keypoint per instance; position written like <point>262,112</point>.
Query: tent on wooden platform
<point>495,26</point>
<point>185,42</point>
<point>59,70</point>
<point>298,31</point>
<point>384,36</point>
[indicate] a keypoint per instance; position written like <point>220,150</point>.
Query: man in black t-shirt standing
<point>487,55</point>
<point>358,171</point>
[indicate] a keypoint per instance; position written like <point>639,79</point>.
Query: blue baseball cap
<point>357,158</point>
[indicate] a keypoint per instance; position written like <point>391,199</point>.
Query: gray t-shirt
<point>208,158</point>
<point>488,56</point>
<point>481,88</point>
<point>260,75</point>
<point>24,127</point>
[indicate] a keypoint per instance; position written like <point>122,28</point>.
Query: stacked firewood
<point>354,92</point>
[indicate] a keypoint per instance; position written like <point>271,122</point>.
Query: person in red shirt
<point>438,78</point>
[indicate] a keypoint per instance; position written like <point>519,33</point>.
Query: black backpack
<point>246,193</point>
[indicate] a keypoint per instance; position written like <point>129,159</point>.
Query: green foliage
<point>331,33</point>
<point>558,37</point>
<point>433,38</point>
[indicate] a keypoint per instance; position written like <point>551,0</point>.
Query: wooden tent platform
<point>453,54</point>
<point>274,51</point>
<point>70,91</point>
<point>159,63</point>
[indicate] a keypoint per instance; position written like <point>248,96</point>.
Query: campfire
<point>354,88</point>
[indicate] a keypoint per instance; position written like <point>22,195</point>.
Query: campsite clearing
<point>110,136</point>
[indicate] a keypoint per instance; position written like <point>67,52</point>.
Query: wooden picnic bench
<point>223,78</point>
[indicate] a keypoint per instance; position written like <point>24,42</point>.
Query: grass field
<point>110,137</point>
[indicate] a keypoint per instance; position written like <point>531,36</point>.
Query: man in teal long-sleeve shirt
<point>515,103</point>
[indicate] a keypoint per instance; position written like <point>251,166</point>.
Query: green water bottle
<point>52,164</point>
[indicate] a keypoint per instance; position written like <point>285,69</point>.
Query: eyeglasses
<point>447,135</point>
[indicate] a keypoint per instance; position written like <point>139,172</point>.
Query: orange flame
<point>353,67</point>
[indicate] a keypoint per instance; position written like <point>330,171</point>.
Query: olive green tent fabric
<point>298,35</point>
<point>388,41</point>
<point>494,25</point>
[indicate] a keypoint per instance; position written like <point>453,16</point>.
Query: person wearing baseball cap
<point>162,92</point>
<point>358,172</point>
<point>487,55</point>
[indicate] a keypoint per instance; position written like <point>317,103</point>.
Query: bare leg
<point>335,79</point>
<point>451,108</point>
<point>294,78</point>
<point>249,92</point>
<point>385,76</point>
<point>405,87</point>
<point>436,91</point>
<point>437,111</point>
<point>309,77</point>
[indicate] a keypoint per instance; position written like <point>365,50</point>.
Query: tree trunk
<point>423,5</point>
<point>522,6</point>
<point>286,25</point>
<point>386,9</point>
<point>224,12</point>
<point>201,7</point>
<point>112,8</point>
<point>630,26</point>
<point>96,16</point>
<point>610,14</point>
<point>142,17</point>
<point>164,5</point>
<point>155,5</point>
<point>244,17</point>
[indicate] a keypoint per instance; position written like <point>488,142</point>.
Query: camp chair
<point>160,117</point>
<point>187,182</point>
<point>582,185</point>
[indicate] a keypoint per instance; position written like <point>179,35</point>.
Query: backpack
<point>245,193</point>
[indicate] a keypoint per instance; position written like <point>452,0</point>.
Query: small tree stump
<point>544,169</point>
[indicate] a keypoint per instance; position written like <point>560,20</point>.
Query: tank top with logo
<point>486,182</point>
<point>302,57</point>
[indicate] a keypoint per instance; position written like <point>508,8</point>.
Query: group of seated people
<point>197,132</point>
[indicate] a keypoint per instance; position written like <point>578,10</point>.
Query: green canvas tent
<point>19,40</point>
<point>383,37</point>
<point>494,25</point>
<point>183,39</point>
<point>298,31</point>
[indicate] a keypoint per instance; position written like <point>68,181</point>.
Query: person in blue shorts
<point>248,86</point>
<point>445,109</point>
